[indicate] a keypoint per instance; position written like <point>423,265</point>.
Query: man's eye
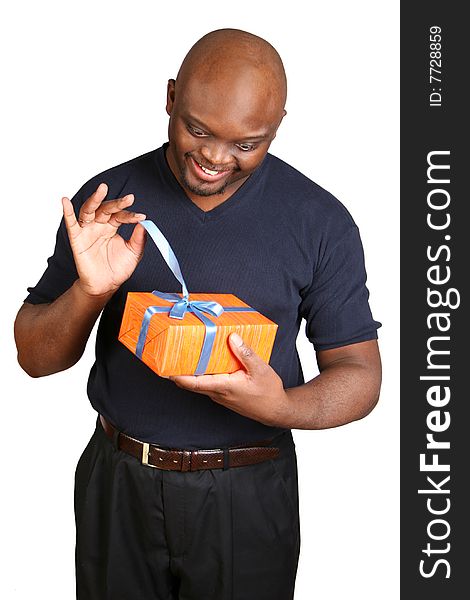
<point>195,131</point>
<point>246,147</point>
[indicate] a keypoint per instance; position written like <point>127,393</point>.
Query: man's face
<point>218,135</point>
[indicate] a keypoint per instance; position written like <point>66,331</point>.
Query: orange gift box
<point>176,346</point>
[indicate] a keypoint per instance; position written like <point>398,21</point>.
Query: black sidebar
<point>435,270</point>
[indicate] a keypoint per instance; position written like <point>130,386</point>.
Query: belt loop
<point>226,458</point>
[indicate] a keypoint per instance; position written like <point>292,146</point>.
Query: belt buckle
<point>145,455</point>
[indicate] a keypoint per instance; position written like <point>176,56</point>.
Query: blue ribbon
<point>181,303</point>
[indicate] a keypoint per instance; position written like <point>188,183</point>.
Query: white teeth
<point>208,171</point>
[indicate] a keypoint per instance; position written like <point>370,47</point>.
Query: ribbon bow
<point>184,304</point>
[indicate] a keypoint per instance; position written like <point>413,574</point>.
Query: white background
<point>84,89</point>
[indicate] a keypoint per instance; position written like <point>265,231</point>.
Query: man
<point>218,517</point>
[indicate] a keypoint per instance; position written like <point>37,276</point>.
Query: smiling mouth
<point>208,171</point>
<point>216,173</point>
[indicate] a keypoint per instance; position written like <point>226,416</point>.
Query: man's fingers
<point>87,211</point>
<point>70,219</point>
<point>125,216</point>
<point>221,383</point>
<point>107,209</point>
<point>203,384</point>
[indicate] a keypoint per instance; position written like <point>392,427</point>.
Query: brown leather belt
<point>189,460</point>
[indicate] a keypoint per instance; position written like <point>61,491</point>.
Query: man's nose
<point>216,154</point>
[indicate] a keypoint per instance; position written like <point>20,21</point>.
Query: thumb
<point>137,240</point>
<point>246,355</point>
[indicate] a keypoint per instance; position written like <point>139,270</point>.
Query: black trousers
<point>147,534</point>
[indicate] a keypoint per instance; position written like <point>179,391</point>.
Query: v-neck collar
<point>235,199</point>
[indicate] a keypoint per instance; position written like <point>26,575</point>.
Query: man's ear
<point>284,113</point>
<point>170,95</point>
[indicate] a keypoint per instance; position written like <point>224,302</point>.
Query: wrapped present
<point>183,334</point>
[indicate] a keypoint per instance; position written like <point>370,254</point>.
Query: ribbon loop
<point>166,251</point>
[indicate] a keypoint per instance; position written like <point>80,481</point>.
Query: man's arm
<point>52,337</point>
<point>346,389</point>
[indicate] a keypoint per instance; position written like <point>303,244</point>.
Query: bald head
<point>235,62</point>
<point>225,108</point>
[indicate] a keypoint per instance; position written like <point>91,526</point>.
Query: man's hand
<point>346,389</point>
<point>104,260</point>
<point>51,337</point>
<point>255,392</point>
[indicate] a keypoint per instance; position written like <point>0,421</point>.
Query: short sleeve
<point>336,304</point>
<point>59,274</point>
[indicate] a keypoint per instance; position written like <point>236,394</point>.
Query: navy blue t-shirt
<point>281,243</point>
